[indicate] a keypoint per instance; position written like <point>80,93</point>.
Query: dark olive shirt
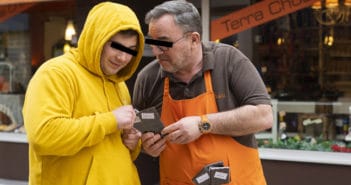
<point>235,81</point>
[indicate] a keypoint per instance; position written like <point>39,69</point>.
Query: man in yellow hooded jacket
<point>77,111</point>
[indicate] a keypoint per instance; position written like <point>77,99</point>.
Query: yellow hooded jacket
<point>72,133</point>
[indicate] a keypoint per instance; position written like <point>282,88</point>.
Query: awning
<point>9,8</point>
<point>11,2</point>
<point>254,15</point>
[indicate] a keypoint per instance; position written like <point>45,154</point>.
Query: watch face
<point>206,126</point>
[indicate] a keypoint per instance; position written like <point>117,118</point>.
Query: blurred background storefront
<point>302,52</point>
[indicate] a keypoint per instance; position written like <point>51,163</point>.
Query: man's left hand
<point>183,131</point>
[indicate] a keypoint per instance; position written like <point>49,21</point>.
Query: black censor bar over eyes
<point>159,43</point>
<point>119,46</point>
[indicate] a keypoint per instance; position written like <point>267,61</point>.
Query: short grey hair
<point>185,15</point>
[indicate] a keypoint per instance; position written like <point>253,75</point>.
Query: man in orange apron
<point>211,99</point>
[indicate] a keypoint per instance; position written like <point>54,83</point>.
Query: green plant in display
<point>307,143</point>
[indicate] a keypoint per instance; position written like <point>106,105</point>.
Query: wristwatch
<point>204,125</point>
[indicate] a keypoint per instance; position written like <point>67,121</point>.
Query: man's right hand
<point>153,144</point>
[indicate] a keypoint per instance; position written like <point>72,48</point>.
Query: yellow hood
<point>101,24</point>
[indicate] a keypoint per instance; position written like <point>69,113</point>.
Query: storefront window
<point>30,34</point>
<point>15,68</point>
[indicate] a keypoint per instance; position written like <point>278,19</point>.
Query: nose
<point>156,50</point>
<point>123,57</point>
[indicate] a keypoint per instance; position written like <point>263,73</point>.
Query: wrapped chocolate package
<point>148,120</point>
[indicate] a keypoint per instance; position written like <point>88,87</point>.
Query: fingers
<point>137,132</point>
<point>131,133</point>
<point>125,116</point>
<point>169,129</point>
<point>131,138</point>
<point>173,133</point>
<point>174,137</point>
<point>153,144</point>
<point>183,131</point>
<point>177,137</point>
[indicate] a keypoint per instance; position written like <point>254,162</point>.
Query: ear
<point>195,38</point>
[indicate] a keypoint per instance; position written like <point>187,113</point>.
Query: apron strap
<point>208,81</point>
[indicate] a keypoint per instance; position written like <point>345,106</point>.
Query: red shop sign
<point>254,15</point>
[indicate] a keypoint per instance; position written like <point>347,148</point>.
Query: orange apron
<point>180,163</point>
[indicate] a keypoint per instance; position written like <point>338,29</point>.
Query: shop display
<point>6,73</point>
<point>315,126</point>
<point>2,47</point>
<point>7,120</point>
